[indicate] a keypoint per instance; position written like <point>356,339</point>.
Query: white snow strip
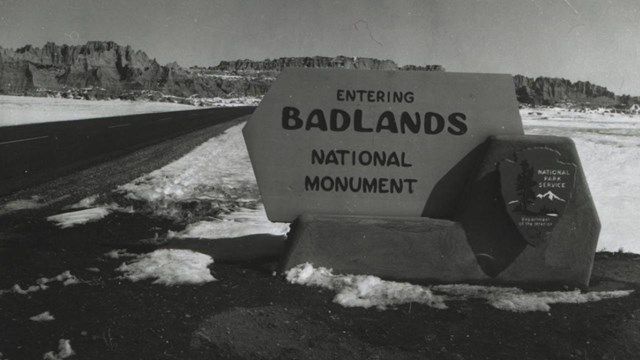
<point>17,110</point>
<point>73,218</point>
<point>370,291</point>
<point>517,300</point>
<point>66,278</point>
<point>169,267</point>
<point>22,204</point>
<point>217,174</point>
<point>81,217</point>
<point>88,202</point>
<point>364,290</point>
<point>64,351</point>
<point>45,316</point>
<point>237,224</point>
<point>119,253</point>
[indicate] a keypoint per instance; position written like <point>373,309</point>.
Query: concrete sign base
<point>392,248</point>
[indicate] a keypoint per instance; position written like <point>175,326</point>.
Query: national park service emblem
<point>536,188</point>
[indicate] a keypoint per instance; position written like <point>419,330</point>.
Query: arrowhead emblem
<point>536,188</point>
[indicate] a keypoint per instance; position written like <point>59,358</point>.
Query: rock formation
<point>550,91</point>
<point>104,69</point>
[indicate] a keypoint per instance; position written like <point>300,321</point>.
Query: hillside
<point>105,69</point>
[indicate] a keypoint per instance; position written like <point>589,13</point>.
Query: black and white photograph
<point>297,179</point>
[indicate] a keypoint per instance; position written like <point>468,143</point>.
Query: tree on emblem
<point>525,185</point>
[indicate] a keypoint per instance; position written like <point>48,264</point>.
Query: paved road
<point>31,154</point>
<point>107,175</point>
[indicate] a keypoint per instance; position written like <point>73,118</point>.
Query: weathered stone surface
<point>421,249</point>
<point>565,256</point>
<point>548,91</point>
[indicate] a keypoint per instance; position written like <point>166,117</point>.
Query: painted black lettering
<point>429,126</point>
<point>369,185</point>
<point>327,183</point>
<point>458,125</point>
<point>335,123</point>
<point>406,121</point>
<point>382,185</point>
<point>410,182</point>
<point>320,122</point>
<point>365,160</point>
<point>311,184</point>
<point>342,183</point>
<point>390,120</point>
<point>357,125</point>
<point>408,97</point>
<point>289,114</point>
<point>317,157</point>
<point>396,185</point>
<point>379,158</point>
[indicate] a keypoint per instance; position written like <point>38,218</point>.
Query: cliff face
<point>117,70</point>
<point>549,91</point>
<point>307,62</point>
<point>97,64</point>
<point>120,71</point>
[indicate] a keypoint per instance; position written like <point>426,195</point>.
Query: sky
<point>593,40</point>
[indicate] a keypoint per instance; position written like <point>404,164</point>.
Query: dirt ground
<point>252,313</point>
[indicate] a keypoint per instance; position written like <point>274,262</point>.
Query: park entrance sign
<point>429,169</point>
<point>353,142</point>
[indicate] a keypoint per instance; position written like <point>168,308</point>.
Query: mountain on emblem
<point>550,196</point>
<point>526,185</point>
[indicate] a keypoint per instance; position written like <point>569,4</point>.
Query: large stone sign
<point>353,142</point>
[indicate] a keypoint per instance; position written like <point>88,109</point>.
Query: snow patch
<point>215,178</point>
<point>45,316</point>
<point>88,202</point>
<point>370,291</point>
<point>119,253</point>
<point>364,290</point>
<point>237,224</point>
<point>64,351</point>
<point>169,267</point>
<point>81,217</point>
<point>22,204</point>
<point>517,300</point>
<point>66,278</point>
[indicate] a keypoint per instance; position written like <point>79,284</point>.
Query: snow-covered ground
<point>169,267</point>
<point>17,110</point>
<point>372,292</point>
<point>609,149</point>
